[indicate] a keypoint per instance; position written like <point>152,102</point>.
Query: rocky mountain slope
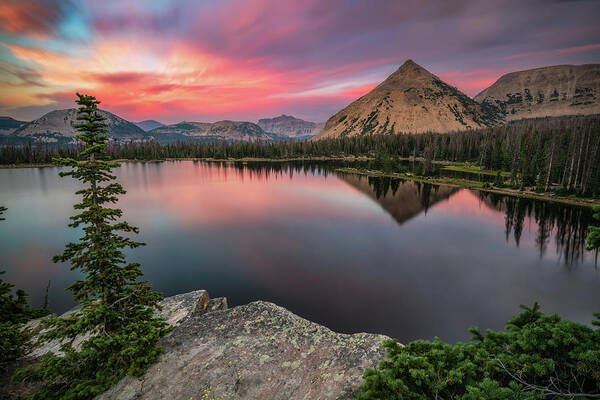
<point>222,130</point>
<point>59,127</point>
<point>546,92</point>
<point>149,124</point>
<point>291,127</point>
<point>8,125</point>
<point>411,100</point>
<point>254,351</point>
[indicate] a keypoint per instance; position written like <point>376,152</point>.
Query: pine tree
<point>593,239</point>
<point>499,180</point>
<point>117,309</point>
<point>539,356</point>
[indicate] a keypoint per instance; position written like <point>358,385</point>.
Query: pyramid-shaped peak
<point>410,66</point>
<point>408,75</point>
<point>411,100</point>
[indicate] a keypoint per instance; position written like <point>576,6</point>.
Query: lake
<point>356,254</point>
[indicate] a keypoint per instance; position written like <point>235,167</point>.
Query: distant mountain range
<point>411,100</point>
<point>291,127</point>
<point>58,127</point>
<point>8,125</point>
<point>149,124</point>
<point>203,131</point>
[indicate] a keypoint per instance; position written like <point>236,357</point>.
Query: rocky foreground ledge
<point>255,351</point>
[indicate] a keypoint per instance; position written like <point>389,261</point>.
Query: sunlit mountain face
<point>250,59</point>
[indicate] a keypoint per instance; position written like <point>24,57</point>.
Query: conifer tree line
<point>546,153</point>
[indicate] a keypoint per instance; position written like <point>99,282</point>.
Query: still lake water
<point>355,254</point>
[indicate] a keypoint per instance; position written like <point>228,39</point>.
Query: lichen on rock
<point>254,351</point>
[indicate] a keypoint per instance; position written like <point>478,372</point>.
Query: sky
<point>208,60</point>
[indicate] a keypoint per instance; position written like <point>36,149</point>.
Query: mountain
<point>8,125</point>
<point>411,100</point>
<point>59,127</point>
<point>204,131</point>
<point>149,124</point>
<point>290,127</point>
<point>546,92</point>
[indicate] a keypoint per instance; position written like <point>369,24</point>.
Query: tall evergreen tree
<point>117,309</point>
<point>593,239</point>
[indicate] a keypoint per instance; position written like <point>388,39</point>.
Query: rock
<point>255,351</point>
<point>175,309</point>
<point>218,304</point>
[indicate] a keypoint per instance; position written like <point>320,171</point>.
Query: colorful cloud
<point>246,59</point>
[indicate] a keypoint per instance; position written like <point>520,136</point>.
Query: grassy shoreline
<point>468,184</point>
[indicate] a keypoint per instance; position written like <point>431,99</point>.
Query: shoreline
<point>208,159</point>
<point>474,185</point>
<point>455,182</point>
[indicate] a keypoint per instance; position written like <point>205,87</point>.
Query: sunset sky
<point>206,60</point>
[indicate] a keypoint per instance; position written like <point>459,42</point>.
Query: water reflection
<point>567,225</point>
<point>402,199</point>
<point>406,259</point>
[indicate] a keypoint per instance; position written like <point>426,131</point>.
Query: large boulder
<point>255,351</point>
<point>174,310</point>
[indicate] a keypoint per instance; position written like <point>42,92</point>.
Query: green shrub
<point>539,357</point>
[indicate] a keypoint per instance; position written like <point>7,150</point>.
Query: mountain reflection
<point>402,199</point>
<point>566,225</point>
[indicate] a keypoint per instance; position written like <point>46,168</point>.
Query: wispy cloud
<point>244,59</point>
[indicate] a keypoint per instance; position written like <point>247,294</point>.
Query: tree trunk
<point>549,172</point>
<point>570,180</point>
<point>579,161</point>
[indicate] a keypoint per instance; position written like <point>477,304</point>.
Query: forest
<point>546,154</point>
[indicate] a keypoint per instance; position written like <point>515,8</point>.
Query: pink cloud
<point>29,17</point>
<point>556,52</point>
<point>473,81</point>
<point>227,59</point>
